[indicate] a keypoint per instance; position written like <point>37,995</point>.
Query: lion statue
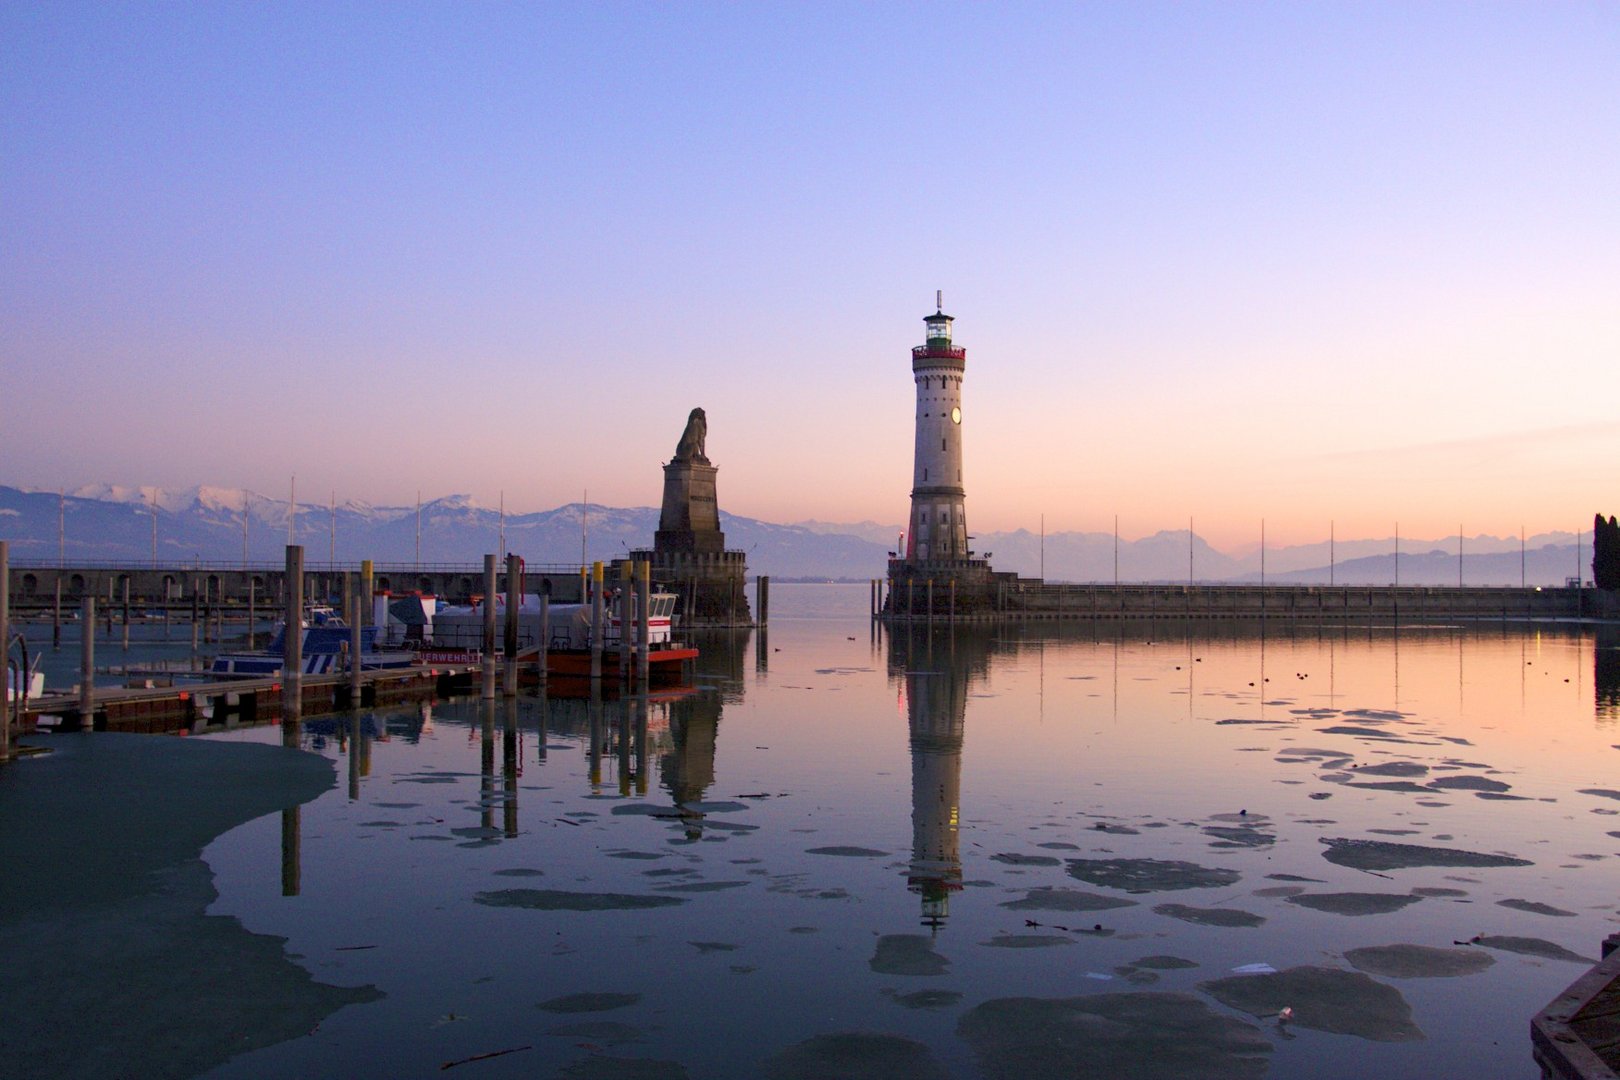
<point>690,448</point>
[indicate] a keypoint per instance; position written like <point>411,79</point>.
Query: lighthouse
<point>938,531</point>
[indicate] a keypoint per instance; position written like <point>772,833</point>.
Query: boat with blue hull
<point>324,650</point>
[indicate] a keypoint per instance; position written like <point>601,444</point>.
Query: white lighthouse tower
<point>938,530</point>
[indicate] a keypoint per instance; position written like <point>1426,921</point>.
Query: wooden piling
<point>514,601</point>
<point>489,628</point>
<point>292,637</point>
<point>353,615</point>
<point>56,616</point>
<point>253,611</point>
<point>5,650</point>
<point>626,634</point>
<point>544,645</point>
<point>87,662</point>
<point>596,623</point>
<point>368,590</point>
<point>644,621</point>
<point>762,585</point>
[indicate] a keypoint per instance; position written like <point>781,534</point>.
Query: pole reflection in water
<point>543,712</point>
<point>626,769</point>
<point>594,709</point>
<point>486,764</point>
<point>641,741</point>
<point>354,738</point>
<point>509,768</point>
<point>291,818</point>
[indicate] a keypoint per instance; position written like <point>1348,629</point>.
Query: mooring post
<point>762,585</point>
<point>368,591</point>
<point>627,638</point>
<point>514,602</point>
<point>953,600</point>
<point>354,652</point>
<point>56,615</point>
<point>596,622</point>
<point>644,621</point>
<point>193,618</point>
<point>489,627</point>
<point>126,611</point>
<point>253,610</point>
<point>871,598</point>
<point>87,663</point>
<point>930,602</point>
<point>292,638</point>
<point>544,644</point>
<point>5,651</point>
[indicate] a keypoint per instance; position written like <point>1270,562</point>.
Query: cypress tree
<point>1606,552</point>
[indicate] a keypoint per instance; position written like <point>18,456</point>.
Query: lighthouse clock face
<point>956,415</point>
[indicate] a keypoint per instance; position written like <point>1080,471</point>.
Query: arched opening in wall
<point>213,586</point>
<point>168,586</point>
<point>76,583</point>
<point>123,583</point>
<point>545,586</point>
<point>383,584</point>
<point>258,581</point>
<point>466,586</point>
<point>424,584</point>
<point>30,584</point>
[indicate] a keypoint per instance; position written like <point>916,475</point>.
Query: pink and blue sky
<point>1347,262</point>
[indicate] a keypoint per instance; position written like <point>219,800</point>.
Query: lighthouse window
<point>942,444</point>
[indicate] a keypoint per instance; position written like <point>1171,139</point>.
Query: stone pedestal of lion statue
<point>689,555</point>
<point>690,519</point>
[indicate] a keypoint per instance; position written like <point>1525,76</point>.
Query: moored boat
<point>324,650</point>
<point>458,634</point>
<point>27,685</point>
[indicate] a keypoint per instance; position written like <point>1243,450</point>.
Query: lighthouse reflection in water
<point>935,672</point>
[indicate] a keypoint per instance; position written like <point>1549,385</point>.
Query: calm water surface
<point>835,828</point>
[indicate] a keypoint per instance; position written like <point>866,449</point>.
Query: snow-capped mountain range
<point>110,523</point>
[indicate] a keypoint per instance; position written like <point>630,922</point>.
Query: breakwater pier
<point>913,594</point>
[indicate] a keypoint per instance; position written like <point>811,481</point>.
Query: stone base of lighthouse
<point>942,588</point>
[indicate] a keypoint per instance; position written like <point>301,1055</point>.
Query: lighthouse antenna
<point>939,299</point>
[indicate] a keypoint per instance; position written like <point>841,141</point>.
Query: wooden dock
<point>196,705</point>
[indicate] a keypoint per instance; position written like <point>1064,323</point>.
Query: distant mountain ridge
<point>108,523</point>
